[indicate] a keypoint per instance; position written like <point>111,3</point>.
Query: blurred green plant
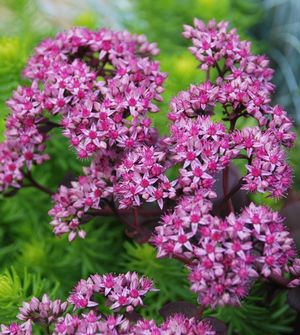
<point>86,19</point>
<point>169,275</point>
<point>12,60</point>
<point>14,289</point>
<point>162,21</point>
<point>280,31</point>
<point>16,44</point>
<point>259,314</point>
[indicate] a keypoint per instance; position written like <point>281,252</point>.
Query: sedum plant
<point>100,88</point>
<point>122,293</point>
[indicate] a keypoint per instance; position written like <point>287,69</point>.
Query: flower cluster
<point>25,138</point>
<point>120,291</point>
<point>95,81</point>
<point>245,77</point>
<point>17,329</point>
<point>91,324</point>
<point>202,148</point>
<point>45,311</point>
<point>225,255</point>
<point>242,89</point>
<point>72,203</point>
<point>103,85</point>
<point>142,176</point>
<point>177,324</point>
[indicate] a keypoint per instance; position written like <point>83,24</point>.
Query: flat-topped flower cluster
<point>122,293</point>
<point>103,85</point>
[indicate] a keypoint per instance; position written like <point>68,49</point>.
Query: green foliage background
<point>32,259</point>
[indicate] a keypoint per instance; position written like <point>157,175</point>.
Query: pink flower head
<point>176,324</point>
<point>44,311</point>
<point>15,329</point>
<point>120,291</point>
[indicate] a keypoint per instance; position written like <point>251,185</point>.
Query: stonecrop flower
<point>141,176</point>
<point>94,81</point>
<point>45,311</point>
<point>16,329</point>
<point>100,87</point>
<point>72,203</point>
<point>177,324</point>
<point>120,291</point>
<point>226,254</point>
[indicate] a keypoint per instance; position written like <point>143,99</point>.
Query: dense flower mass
<point>72,203</point>
<point>225,255</point>
<point>94,81</point>
<point>120,291</point>
<point>44,311</point>
<point>141,176</point>
<point>25,139</point>
<point>99,88</point>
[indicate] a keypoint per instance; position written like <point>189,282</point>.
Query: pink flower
<point>44,311</point>
<point>15,329</point>
<point>141,176</point>
<point>174,324</point>
<point>120,291</point>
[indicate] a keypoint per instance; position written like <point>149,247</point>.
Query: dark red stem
<point>275,278</point>
<point>183,259</point>
<point>136,217</point>
<point>35,184</point>
<point>230,194</point>
<point>109,212</point>
<point>226,199</point>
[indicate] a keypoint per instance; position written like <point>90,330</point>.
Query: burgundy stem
<point>37,185</point>
<point>200,311</point>
<point>226,199</point>
<point>275,278</point>
<point>230,194</point>
<point>136,217</point>
<point>183,259</point>
<point>109,212</point>
<point>118,214</point>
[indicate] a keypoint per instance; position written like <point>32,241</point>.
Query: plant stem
<point>136,217</point>
<point>183,259</point>
<point>109,212</point>
<point>112,206</point>
<point>200,311</point>
<point>227,200</point>
<point>208,75</point>
<point>219,70</point>
<point>230,194</point>
<point>37,185</point>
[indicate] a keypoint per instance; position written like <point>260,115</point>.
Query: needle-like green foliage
<point>14,289</point>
